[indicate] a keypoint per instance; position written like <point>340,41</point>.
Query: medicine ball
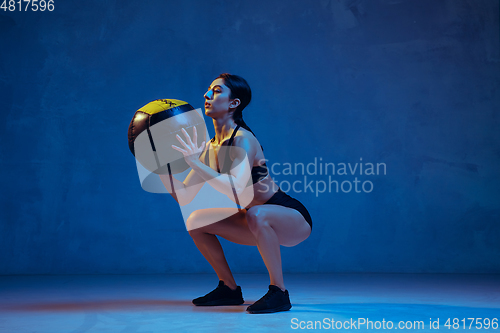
<point>153,130</point>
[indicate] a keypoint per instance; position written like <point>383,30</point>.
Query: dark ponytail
<point>241,90</point>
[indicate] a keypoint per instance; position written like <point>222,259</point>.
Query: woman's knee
<point>256,218</point>
<point>193,223</point>
<point>199,222</point>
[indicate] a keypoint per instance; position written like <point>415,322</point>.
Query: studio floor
<point>337,302</point>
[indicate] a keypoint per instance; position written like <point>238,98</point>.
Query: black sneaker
<point>222,295</point>
<point>275,300</point>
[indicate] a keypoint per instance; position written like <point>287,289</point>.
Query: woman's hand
<point>191,152</point>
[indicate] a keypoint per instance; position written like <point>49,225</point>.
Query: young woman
<point>271,219</point>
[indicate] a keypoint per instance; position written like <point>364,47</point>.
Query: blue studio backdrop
<point>381,116</point>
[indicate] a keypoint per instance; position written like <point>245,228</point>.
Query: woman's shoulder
<point>245,137</point>
<point>248,141</point>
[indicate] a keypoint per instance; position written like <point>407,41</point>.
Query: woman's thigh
<point>289,225</point>
<point>233,228</point>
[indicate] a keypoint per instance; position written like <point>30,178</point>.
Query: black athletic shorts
<point>283,199</point>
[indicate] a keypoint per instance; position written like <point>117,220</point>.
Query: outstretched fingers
<point>190,146</point>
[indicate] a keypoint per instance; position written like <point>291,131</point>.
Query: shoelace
<point>267,295</point>
<point>216,290</point>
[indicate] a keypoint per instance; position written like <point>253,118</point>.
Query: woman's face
<point>217,98</point>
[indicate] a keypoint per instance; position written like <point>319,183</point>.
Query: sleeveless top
<point>259,172</point>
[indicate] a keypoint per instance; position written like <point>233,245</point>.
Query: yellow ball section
<point>160,105</point>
